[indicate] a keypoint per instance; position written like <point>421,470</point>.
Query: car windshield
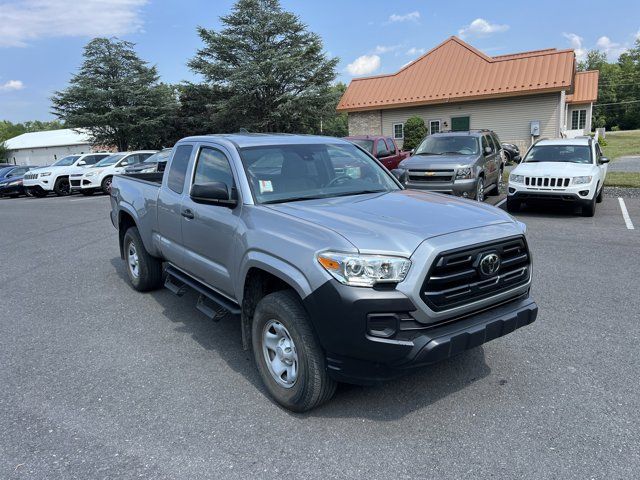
<point>5,170</point>
<point>159,157</point>
<point>284,173</point>
<point>366,144</point>
<point>559,153</point>
<point>66,161</point>
<point>448,145</point>
<point>110,160</point>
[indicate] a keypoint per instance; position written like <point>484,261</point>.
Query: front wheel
<point>479,195</point>
<point>62,187</point>
<point>143,270</point>
<point>513,205</point>
<point>106,185</point>
<point>600,196</point>
<point>287,353</point>
<point>589,210</point>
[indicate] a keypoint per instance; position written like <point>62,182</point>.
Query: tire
<point>280,315</point>
<point>143,270</point>
<point>87,193</point>
<point>496,186</point>
<point>62,187</point>
<point>589,210</point>
<point>479,194</point>
<point>106,185</point>
<point>600,196</point>
<point>513,205</point>
<point>14,195</point>
<point>39,193</point>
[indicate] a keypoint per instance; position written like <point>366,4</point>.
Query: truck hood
<point>437,161</point>
<point>552,169</point>
<point>395,222</point>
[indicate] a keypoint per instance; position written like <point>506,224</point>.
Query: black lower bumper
<point>550,197</point>
<point>355,354</point>
<point>11,190</point>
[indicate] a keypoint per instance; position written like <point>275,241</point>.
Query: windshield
<point>448,145</point>
<point>5,170</point>
<point>559,153</point>
<point>159,157</point>
<point>283,173</point>
<point>66,161</point>
<point>366,144</point>
<point>110,160</point>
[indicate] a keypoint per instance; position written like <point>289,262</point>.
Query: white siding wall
<point>45,156</point>
<point>508,117</point>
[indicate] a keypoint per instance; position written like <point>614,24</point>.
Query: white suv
<point>100,175</point>
<point>55,177</point>
<point>563,170</point>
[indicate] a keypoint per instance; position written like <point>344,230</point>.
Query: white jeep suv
<point>563,170</point>
<point>100,175</point>
<point>55,177</point>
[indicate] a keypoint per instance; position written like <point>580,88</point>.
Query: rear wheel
<point>144,271</point>
<point>513,205</point>
<point>62,187</point>
<point>106,185</point>
<point>287,353</point>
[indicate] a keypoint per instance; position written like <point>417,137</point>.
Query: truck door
<point>169,206</point>
<point>209,230</point>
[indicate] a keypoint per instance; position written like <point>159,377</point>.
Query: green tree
<point>336,124</point>
<point>271,71</point>
<point>414,131</point>
<point>116,97</point>
<point>9,130</point>
<point>4,153</point>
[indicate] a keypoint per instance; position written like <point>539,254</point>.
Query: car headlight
<point>16,182</point>
<point>464,173</point>
<point>148,170</point>
<point>581,180</point>
<point>516,178</point>
<point>90,174</point>
<point>44,174</point>
<point>364,270</point>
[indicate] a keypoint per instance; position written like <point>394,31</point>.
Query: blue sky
<point>41,40</point>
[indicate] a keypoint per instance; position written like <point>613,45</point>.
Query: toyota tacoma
<point>336,272</point>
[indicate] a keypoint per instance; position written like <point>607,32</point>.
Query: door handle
<point>188,213</point>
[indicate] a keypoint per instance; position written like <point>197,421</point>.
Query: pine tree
<point>116,97</point>
<point>271,71</point>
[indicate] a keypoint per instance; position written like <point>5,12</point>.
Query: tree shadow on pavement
<point>384,402</point>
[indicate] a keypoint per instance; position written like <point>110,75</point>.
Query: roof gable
<point>585,88</point>
<point>455,71</point>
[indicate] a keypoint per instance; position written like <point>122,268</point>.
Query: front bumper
<point>370,335</point>
<point>88,183</point>
<point>577,194</point>
<point>40,183</point>
<point>464,188</point>
<point>6,190</point>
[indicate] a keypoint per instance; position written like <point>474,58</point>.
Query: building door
<point>459,124</point>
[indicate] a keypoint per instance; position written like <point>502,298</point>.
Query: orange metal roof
<point>585,87</point>
<point>456,71</point>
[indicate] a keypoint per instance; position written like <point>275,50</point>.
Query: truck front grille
<point>430,175</point>
<point>547,182</point>
<point>456,277</point>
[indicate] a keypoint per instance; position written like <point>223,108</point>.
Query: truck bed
<point>154,177</point>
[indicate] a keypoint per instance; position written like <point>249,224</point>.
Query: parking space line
<point>625,214</point>
<point>500,202</point>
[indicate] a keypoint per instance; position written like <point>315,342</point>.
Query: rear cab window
<point>178,168</point>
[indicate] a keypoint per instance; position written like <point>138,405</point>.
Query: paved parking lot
<point>99,381</point>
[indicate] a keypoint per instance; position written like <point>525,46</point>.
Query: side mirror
<point>413,150</point>
<point>399,174</point>
<point>82,163</point>
<point>215,193</point>
<point>488,151</point>
<point>604,160</point>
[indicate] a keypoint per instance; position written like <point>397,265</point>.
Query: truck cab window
<point>178,168</point>
<point>213,166</point>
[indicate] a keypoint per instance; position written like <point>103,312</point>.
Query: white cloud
<point>364,65</point>
<point>413,51</point>
<point>407,17</point>
<point>610,48</point>
<point>576,42</point>
<point>21,22</point>
<point>11,85</point>
<point>481,28</point>
<point>385,48</point>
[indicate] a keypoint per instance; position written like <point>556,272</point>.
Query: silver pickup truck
<point>337,272</point>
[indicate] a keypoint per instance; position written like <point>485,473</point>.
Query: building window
<point>578,119</point>
<point>398,131</point>
<point>434,126</point>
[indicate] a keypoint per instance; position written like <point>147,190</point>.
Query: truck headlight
<point>44,174</point>
<point>364,270</point>
<point>581,180</point>
<point>516,178</point>
<point>464,173</point>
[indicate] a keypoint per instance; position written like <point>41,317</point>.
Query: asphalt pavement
<point>99,381</point>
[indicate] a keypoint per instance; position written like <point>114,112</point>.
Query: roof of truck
<point>242,140</point>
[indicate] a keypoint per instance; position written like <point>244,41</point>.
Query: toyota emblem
<point>489,264</point>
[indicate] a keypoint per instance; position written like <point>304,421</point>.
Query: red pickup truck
<point>384,149</point>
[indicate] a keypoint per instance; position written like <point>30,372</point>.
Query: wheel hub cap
<point>280,353</point>
<point>133,261</point>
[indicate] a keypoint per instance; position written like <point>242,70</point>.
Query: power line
<point>615,103</point>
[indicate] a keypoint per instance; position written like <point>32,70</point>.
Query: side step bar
<point>177,282</point>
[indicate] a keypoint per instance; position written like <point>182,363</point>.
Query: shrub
<point>414,131</point>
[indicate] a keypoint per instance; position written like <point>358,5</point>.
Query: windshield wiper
<point>426,153</point>
<point>360,192</point>
<point>450,153</point>
<point>294,199</point>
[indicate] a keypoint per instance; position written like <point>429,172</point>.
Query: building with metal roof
<point>44,148</point>
<point>455,86</point>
